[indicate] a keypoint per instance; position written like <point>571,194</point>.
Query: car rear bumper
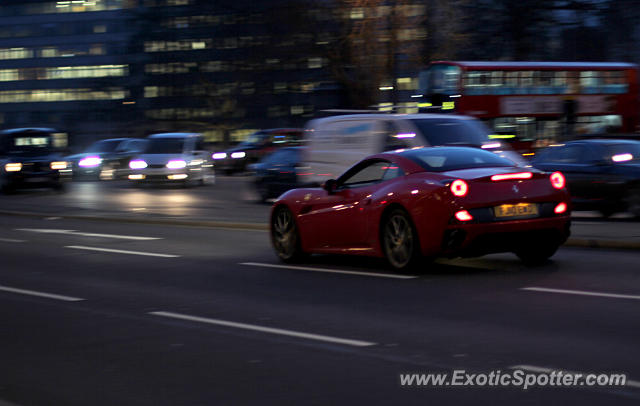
<point>467,240</point>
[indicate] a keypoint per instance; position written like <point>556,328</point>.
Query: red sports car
<point>408,205</point>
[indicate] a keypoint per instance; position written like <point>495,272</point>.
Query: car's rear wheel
<point>399,240</point>
<point>285,236</point>
<point>538,254</point>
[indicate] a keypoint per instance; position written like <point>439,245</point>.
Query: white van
<point>336,143</point>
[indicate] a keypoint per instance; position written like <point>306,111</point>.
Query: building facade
<point>110,68</point>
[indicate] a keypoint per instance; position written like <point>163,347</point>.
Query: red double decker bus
<point>533,104</point>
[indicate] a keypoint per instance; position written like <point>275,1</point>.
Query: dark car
<point>277,172</point>
<point>106,159</point>
<point>32,157</point>
<point>255,147</point>
<point>408,205</point>
<point>602,174</point>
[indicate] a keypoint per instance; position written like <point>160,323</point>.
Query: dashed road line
<point>581,292</point>
<point>115,251</point>
<point>328,270</point>
<point>263,329</point>
<point>83,234</point>
<point>40,294</point>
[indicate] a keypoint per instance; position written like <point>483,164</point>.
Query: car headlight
<point>13,167</point>
<point>176,164</point>
<point>137,164</point>
<point>90,162</point>
<point>236,155</point>
<point>219,155</point>
<point>57,165</point>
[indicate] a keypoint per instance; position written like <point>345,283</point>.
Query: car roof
<point>391,117</point>
<point>27,129</point>
<point>174,135</point>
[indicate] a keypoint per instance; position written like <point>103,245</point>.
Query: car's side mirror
<point>330,186</point>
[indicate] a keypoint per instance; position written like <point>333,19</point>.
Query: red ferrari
<point>408,205</point>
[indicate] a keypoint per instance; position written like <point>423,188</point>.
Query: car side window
<point>393,171</point>
<point>569,154</point>
<point>369,174</point>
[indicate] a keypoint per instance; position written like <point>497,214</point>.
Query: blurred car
<point>254,148</point>
<point>29,157</point>
<point>423,203</point>
<point>277,172</point>
<point>172,157</point>
<point>106,159</point>
<point>335,143</point>
<point>602,174</point>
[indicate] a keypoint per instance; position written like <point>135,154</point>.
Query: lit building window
<point>315,63</point>
<point>55,95</point>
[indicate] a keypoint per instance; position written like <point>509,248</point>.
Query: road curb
<point>571,242</point>
<point>602,244</point>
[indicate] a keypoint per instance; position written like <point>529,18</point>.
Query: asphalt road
<point>130,314</point>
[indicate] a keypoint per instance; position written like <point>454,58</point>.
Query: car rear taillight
<point>557,180</point>
<point>464,215</point>
<point>560,208</point>
<point>459,188</point>
<point>508,176</point>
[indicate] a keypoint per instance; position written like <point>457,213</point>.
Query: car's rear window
<point>442,159</point>
<point>452,131</point>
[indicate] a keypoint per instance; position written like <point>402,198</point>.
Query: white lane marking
<point>263,329</point>
<point>306,268</point>
<point>40,294</point>
<point>83,234</point>
<point>581,292</point>
<point>11,240</point>
<point>148,254</point>
<point>543,370</point>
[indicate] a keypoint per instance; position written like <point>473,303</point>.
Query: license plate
<point>516,210</point>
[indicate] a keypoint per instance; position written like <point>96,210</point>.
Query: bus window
<point>442,79</point>
<point>590,82</point>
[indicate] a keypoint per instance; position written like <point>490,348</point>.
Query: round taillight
<point>459,188</point>
<point>557,180</point>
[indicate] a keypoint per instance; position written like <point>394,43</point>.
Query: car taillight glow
<point>459,188</point>
<point>560,208</point>
<point>464,215</point>
<point>137,164</point>
<point>557,180</point>
<point>507,176</point>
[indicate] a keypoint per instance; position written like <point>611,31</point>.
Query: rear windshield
<point>450,131</point>
<point>450,159</point>
<point>104,146</point>
<point>165,146</point>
